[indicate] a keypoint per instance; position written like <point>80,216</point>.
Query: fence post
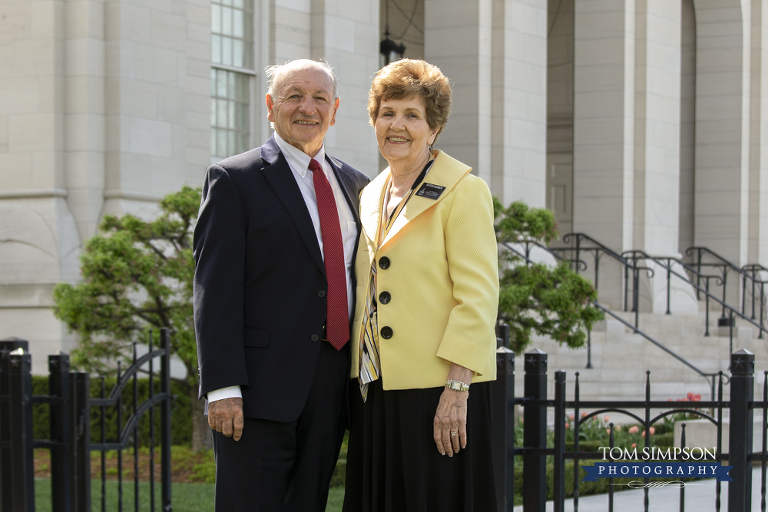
<point>502,335</point>
<point>6,474</point>
<point>165,419</point>
<point>503,428</point>
<point>740,431</point>
<point>61,456</point>
<point>559,468</point>
<point>535,435</point>
<point>22,470</point>
<point>80,441</point>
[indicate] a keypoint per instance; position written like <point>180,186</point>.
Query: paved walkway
<point>699,497</point>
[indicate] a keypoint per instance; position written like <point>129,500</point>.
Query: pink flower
<point>633,429</point>
<point>583,415</point>
<point>617,428</point>
<point>606,418</point>
<point>566,424</point>
<point>634,445</point>
<point>643,434</point>
<point>697,398</point>
<point>570,416</point>
<point>608,431</point>
<point>689,396</point>
<point>652,430</point>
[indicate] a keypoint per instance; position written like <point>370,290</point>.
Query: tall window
<point>231,72</point>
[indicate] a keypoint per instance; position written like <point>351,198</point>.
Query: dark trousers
<point>287,467</point>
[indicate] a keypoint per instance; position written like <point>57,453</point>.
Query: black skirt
<point>393,464</point>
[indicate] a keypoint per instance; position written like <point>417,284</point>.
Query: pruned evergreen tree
<point>136,276</point>
<point>535,298</point>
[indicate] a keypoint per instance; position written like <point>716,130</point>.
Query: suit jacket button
<point>384,298</point>
<point>321,293</point>
<point>315,337</point>
<point>384,263</point>
<point>386,332</point>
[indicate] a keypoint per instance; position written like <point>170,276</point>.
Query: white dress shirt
<point>298,161</point>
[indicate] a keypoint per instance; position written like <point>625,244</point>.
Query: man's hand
<point>226,416</point>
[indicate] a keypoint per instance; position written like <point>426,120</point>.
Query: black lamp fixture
<point>390,50</point>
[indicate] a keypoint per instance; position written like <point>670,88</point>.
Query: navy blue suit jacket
<point>260,286</point>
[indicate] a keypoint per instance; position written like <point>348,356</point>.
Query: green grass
<point>185,497</point>
<point>335,499</point>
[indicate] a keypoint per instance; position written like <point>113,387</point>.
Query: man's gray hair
<point>275,75</point>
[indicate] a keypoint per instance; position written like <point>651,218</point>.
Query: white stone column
<point>657,128</point>
<point>84,109</point>
<point>722,126</point>
<point>291,30</point>
<point>457,39</point>
<point>157,100</point>
<point>346,34</point>
<point>604,120</point>
<point>39,241</point>
<point>687,125</point>
<point>604,131</point>
<point>657,147</point>
<point>758,165</point>
<point>519,107</point>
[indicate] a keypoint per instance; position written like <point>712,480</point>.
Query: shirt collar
<point>297,159</point>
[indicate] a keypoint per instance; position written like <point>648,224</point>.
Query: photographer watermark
<point>653,462</point>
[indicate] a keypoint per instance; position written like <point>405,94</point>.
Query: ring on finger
<point>453,434</point>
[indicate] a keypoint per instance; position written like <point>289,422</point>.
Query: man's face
<point>304,107</point>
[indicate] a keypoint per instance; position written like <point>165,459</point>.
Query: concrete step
<point>620,357</point>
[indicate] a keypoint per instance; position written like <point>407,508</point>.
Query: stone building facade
<point>643,123</point>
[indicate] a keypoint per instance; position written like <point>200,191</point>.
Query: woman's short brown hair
<point>407,77</point>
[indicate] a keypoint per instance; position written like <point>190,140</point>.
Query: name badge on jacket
<point>430,191</point>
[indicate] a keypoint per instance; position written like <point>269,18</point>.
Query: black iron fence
<point>70,441</point>
<point>646,413</point>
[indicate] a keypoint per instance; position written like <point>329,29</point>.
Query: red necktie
<point>337,326</point>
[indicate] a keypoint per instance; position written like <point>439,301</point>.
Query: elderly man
<point>273,247</point>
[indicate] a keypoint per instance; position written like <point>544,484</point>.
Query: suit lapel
<point>445,172</point>
<point>280,177</point>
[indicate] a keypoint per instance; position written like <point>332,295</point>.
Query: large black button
<point>321,293</point>
<point>384,298</point>
<point>315,337</point>
<point>386,332</point>
<point>384,263</point>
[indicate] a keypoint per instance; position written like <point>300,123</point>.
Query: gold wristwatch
<point>456,385</point>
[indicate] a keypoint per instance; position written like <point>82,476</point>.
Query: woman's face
<point>402,131</point>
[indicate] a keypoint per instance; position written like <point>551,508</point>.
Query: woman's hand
<point>450,424</point>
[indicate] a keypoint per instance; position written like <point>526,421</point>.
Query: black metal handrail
<point>747,273</point>
<point>598,249</point>
<point>726,307</point>
<point>530,244</point>
<point>636,254</point>
<point>754,269</point>
<point>710,377</point>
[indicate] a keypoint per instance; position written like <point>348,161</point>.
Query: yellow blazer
<point>442,277</point>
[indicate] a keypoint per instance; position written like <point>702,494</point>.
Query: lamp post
<point>390,50</point>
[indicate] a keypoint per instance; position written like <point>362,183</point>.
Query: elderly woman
<point>423,334</point>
